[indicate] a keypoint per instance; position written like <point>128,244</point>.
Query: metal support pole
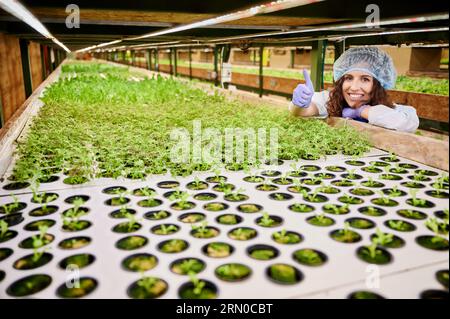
<point>292,58</point>
<point>44,69</point>
<point>261,77</point>
<point>2,118</point>
<point>170,60</point>
<point>133,58</point>
<point>339,48</point>
<point>149,59</point>
<point>317,63</point>
<point>175,62</point>
<point>157,60</point>
<point>216,65</point>
<point>26,68</point>
<point>190,63</point>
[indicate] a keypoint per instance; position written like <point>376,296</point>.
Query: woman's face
<point>357,87</point>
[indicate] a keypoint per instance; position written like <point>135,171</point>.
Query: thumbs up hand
<point>303,93</point>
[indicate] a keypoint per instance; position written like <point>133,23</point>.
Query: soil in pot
<point>242,233</point>
<point>269,221</point>
<point>362,294</point>
<point>165,229</point>
<point>117,201</point>
<point>168,184</point>
<point>388,240</point>
<point>5,253</point>
<point>412,214</point>
<point>301,208</point>
<point>205,196</point>
<point>131,242</point>
<point>12,219</point>
<point>360,223</point>
<point>320,220</point>
<point>372,211</point>
<point>433,242</point>
<point>374,255</point>
<point>355,163</point>
<point>173,246</point>
<point>16,186</point>
<point>284,274</point>
<point>204,232</point>
<point>140,262</point>
<point>224,187</point>
<point>114,190</point>
<point>218,250</point>
<point>361,192</point>
<point>215,206</point>
<point>143,191</point>
<point>187,266</point>
<point>287,237</point>
<point>310,168</point>
<point>199,289</point>
<point>336,209</point>
<point>345,236</point>
<point>442,277</point>
<point>77,198</point>
<point>412,185</point>
<point>29,285</point>
<point>216,179</point>
<point>343,183</point>
<point>233,272</point>
<point>122,213</point>
<point>437,194</point>
<point>298,189</point>
<point>74,242</point>
<point>75,226</point>
<point>127,227</point>
<point>283,181</point>
<point>399,225</point>
<point>262,252</point>
<point>384,201</point>
<point>254,179</point>
<point>434,294</point>
<point>43,211</point>
<point>80,260</point>
<point>32,261</point>
<point>310,257</point>
<point>270,173</point>
<point>10,208</point>
<point>191,218</point>
<point>267,187</point>
<point>229,219</point>
<point>182,205</point>
<point>28,242</point>
<point>280,196</point>
<point>249,208</point>
<point>148,288</point>
<point>150,202</point>
<point>236,197</point>
<point>335,169</point>
<point>157,215</point>
<point>197,185</point>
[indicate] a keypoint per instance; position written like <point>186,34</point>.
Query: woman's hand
<point>360,112</point>
<point>303,93</point>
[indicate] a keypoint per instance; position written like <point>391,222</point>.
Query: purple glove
<point>349,112</point>
<point>303,93</point>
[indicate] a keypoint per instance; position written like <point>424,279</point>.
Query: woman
<point>362,76</point>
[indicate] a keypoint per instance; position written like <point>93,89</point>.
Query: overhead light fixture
<point>337,27</point>
<point>261,9</point>
<point>19,11</point>
<point>99,46</point>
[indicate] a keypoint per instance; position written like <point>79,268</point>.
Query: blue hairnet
<point>370,60</point>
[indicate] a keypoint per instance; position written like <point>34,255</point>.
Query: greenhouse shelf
<point>335,270</point>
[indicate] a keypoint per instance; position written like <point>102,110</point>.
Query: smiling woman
<point>361,76</point>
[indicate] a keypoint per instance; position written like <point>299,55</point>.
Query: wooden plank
<point>11,77</point>
<point>422,149</point>
<point>36,64</point>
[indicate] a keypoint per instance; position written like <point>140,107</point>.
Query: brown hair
<point>337,102</point>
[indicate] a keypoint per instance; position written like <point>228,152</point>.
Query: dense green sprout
<point>108,122</point>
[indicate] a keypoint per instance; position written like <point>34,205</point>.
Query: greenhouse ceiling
<point>102,22</point>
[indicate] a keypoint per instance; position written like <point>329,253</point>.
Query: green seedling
<point>3,228</point>
<point>383,238</point>
<point>266,221</point>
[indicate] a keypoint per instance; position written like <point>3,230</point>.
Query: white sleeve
<point>320,99</point>
<point>402,118</point>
